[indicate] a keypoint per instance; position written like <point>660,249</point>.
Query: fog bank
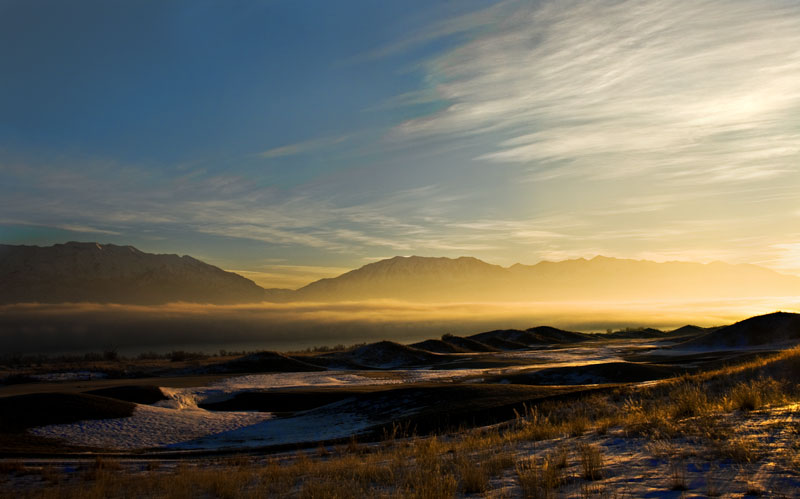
<point>48,328</point>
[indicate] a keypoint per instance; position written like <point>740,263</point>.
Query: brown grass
<point>474,475</point>
<point>591,459</point>
<point>539,478</point>
<point>712,486</point>
<point>677,475</point>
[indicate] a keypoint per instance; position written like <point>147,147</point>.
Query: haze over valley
<point>80,296</point>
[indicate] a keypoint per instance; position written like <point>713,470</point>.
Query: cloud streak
<point>302,147</point>
<point>686,91</point>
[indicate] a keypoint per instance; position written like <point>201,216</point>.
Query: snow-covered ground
<point>150,427</point>
<point>631,466</point>
<point>179,422</point>
<point>641,467</point>
<point>311,426</point>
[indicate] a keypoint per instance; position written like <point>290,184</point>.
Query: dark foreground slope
<point>106,273</point>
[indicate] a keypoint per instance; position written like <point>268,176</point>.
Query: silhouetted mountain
<point>776,328</point>
<point>469,279</point>
<point>75,272</point>
<point>105,273</point>
<point>409,278</point>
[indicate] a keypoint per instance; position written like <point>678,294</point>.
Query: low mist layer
<point>33,328</point>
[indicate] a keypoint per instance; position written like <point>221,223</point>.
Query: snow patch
<point>150,427</point>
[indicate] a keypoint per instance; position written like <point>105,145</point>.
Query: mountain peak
<point>440,279</point>
<point>94,272</point>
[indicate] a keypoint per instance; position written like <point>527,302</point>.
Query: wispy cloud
<point>302,147</point>
<point>450,26</point>
<point>686,91</point>
<point>68,227</point>
<point>786,257</point>
<point>87,229</point>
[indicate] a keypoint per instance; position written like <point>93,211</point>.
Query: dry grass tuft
<point>754,394</point>
<point>740,450</point>
<point>499,462</point>
<point>712,487</point>
<point>677,474</point>
<point>541,477</point>
<point>688,399</point>
<point>591,459</point>
<point>474,475</point>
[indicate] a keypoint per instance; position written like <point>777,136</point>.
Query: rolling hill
<point>778,328</point>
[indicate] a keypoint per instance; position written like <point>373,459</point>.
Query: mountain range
<point>107,273</point>
<point>601,278</point>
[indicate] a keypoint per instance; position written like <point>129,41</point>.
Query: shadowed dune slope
<point>501,344</point>
<point>515,337</point>
<point>610,372</point>
<point>688,330</point>
<point>509,339</point>
<point>264,362</point>
<point>438,346</point>
<point>468,344</point>
<point>137,394</point>
<point>20,412</point>
<point>437,406</point>
<point>776,328</point>
<point>388,354</point>
<point>548,334</point>
<point>643,333</point>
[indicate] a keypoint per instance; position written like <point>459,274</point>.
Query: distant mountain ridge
<point>601,278</point>
<point>107,273</point>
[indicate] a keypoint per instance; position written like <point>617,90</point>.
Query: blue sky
<point>296,139</point>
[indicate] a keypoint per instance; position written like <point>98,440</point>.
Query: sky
<point>293,140</point>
